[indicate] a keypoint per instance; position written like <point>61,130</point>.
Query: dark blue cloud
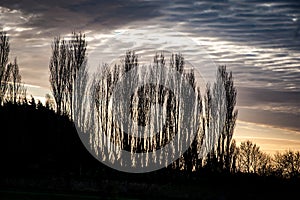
<point>272,107</point>
<point>84,14</point>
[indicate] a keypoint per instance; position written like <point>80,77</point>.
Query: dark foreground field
<point>43,158</point>
<point>157,185</point>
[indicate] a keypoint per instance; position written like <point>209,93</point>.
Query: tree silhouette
<point>49,102</point>
<point>287,164</point>
<point>4,68</point>
<point>218,122</point>
<point>67,72</point>
<point>68,78</point>
<point>225,155</point>
<point>144,107</point>
<point>16,90</point>
<point>58,72</point>
<point>11,88</point>
<point>206,128</point>
<point>251,159</point>
<point>77,79</point>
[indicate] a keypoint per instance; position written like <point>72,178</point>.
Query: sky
<point>259,41</point>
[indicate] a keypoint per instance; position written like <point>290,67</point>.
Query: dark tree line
<point>36,142</point>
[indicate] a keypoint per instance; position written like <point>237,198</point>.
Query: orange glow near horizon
<point>270,139</point>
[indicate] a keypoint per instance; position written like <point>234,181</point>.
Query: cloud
<point>65,16</point>
<point>33,24</point>
<point>255,39</point>
<point>252,96</point>
<point>272,107</point>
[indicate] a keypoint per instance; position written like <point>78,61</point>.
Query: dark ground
<point>43,158</point>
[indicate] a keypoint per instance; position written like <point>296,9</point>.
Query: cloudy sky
<point>259,41</point>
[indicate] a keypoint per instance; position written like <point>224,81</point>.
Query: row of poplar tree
<point>69,82</point>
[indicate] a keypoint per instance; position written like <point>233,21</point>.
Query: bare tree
<point>77,75</point>
<point>145,103</point>
<point>57,72</point>
<point>247,157</point>
<point>15,86</point>
<point>207,122</point>
<point>225,140</point>
<point>219,113</point>
<point>251,159</point>
<point>4,68</point>
<point>218,122</point>
<point>11,88</point>
<point>68,72</point>
<point>287,164</point>
<point>49,102</point>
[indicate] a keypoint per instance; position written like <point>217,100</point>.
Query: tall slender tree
<point>57,69</point>
<point>219,121</point>
<point>4,68</point>
<point>231,114</point>
<point>77,79</point>
<point>68,77</point>
<point>15,86</point>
